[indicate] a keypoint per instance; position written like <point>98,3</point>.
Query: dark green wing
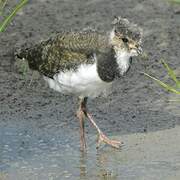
<point>64,51</point>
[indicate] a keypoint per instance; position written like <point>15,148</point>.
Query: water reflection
<point>106,171</point>
<point>82,167</point>
<point>96,164</point>
<point>28,151</point>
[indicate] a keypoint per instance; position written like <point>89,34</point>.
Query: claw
<point>114,143</point>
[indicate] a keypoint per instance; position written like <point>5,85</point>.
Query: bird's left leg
<point>81,116</point>
<point>101,136</point>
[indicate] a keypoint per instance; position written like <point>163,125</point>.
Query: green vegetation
<point>8,18</point>
<point>175,1</point>
<point>174,89</point>
<point>2,5</point>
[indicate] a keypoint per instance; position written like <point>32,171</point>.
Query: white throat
<point>122,58</point>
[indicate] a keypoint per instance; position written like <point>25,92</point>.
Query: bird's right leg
<point>102,137</point>
<point>81,117</point>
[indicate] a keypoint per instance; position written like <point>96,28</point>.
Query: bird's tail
<point>29,55</point>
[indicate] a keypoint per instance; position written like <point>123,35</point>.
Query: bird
<point>85,64</point>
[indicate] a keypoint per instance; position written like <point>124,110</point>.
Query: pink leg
<point>81,113</point>
<point>102,137</point>
<point>81,116</point>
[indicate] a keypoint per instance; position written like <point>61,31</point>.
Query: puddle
<point>27,152</point>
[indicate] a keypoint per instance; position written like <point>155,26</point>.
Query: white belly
<point>83,82</point>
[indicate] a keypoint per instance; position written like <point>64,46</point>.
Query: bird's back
<point>64,51</point>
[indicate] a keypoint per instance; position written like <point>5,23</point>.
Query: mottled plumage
<point>65,51</point>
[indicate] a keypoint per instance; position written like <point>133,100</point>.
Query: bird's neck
<point>123,61</point>
<point>113,63</point>
<point>122,57</point>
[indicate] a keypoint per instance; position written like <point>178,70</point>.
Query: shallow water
<point>29,152</point>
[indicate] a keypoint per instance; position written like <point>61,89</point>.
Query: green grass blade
<point>12,14</point>
<point>168,87</point>
<point>171,73</point>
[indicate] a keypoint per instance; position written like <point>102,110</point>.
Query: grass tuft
<point>7,19</point>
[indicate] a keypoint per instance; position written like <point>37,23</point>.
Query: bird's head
<point>126,36</point>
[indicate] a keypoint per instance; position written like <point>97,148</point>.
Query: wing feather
<point>65,51</point>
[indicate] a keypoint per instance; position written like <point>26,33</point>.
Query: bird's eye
<point>125,40</point>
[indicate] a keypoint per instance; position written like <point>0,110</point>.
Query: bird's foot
<point>106,140</point>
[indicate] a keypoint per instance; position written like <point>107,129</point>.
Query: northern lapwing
<point>85,64</point>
